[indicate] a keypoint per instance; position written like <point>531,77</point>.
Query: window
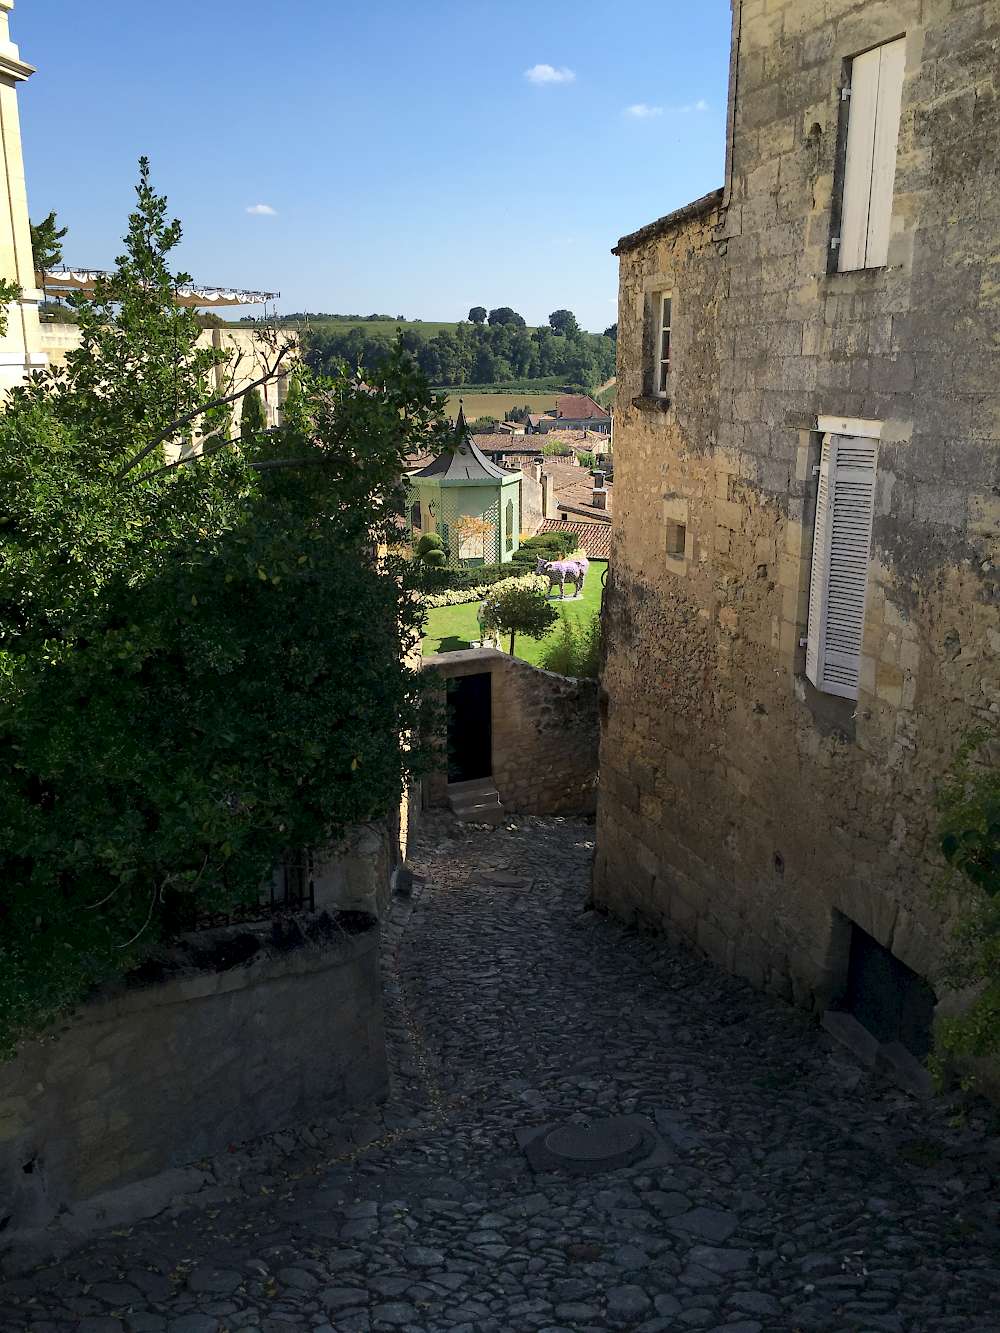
<point>663,345</point>
<point>838,584</point>
<point>676,540</point>
<point>416,519</point>
<point>510,525</point>
<point>875,98</point>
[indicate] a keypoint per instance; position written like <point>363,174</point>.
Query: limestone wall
<point>737,803</point>
<point>545,734</point>
<point>158,1077</point>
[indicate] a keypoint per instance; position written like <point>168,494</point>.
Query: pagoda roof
<point>462,461</point>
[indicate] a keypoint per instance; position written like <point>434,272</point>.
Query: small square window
<point>676,540</point>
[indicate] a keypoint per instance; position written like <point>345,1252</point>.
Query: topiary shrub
<point>436,559</point>
<point>430,541</point>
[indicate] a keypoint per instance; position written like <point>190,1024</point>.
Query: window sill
<point>647,402</point>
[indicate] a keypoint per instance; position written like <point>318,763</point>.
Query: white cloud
<point>262,210</point>
<point>549,74</point>
<point>643,111</point>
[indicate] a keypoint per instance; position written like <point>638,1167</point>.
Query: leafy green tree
<point>520,607</point>
<point>969,832</point>
<point>478,314</point>
<point>253,423</point>
<point>46,243</point>
<point>201,661</point>
<point>505,315</point>
<point>564,322</point>
<point>612,331</point>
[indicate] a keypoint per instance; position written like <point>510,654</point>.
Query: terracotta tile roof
<point>595,538</point>
<point>578,406</point>
<point>573,485</point>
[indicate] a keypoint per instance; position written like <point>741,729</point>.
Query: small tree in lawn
<point>520,607</point>
<point>253,423</point>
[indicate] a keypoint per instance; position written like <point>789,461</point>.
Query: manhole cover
<point>594,1143</point>
<point>604,1145</point>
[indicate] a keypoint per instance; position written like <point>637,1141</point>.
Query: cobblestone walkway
<point>793,1193</point>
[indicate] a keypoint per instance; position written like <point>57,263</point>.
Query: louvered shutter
<point>845,510</point>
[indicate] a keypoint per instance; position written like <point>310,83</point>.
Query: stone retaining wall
<point>152,1079</point>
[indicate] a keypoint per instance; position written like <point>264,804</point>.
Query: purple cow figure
<point>563,572</point>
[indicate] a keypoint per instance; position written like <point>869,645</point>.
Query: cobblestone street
<point>789,1189</point>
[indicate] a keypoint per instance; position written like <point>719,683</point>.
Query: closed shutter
<point>870,169</point>
<point>892,66</point>
<point>845,510</point>
<point>860,159</point>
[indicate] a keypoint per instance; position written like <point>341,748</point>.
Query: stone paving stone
<point>789,1194</point>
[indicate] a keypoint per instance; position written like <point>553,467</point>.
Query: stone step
<point>491,812</point>
<point>477,785</point>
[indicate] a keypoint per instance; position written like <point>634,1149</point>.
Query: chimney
<point>598,478</point>
<point>537,472</point>
<point>548,496</point>
<point>600,498</point>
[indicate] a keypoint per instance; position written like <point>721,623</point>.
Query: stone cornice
<point>13,68</point>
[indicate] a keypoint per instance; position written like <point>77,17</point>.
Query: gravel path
<point>790,1191</point>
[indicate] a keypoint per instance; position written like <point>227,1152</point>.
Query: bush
<point>460,596</point>
<point>547,545</point>
<point>587,460</point>
<point>435,559</point>
<point>575,650</point>
<point>468,576</point>
<point>557,449</point>
<point>430,541</point>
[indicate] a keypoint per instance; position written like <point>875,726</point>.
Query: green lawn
<point>450,628</point>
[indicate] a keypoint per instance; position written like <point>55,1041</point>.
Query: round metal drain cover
<point>609,1143</point>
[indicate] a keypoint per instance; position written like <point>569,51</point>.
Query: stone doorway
<point>470,727</point>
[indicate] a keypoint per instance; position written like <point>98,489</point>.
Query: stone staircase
<point>476,802</point>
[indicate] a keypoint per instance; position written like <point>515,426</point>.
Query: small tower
<point>472,504</point>
<point>21,346</point>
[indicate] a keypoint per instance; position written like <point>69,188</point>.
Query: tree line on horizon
<point>491,347</point>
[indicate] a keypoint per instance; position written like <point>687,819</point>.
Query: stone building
<point>802,615</point>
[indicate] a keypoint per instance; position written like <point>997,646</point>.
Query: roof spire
<point>461,425</point>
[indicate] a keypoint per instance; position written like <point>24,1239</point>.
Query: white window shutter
<point>845,511</point>
<point>860,161</point>
<point>892,67</point>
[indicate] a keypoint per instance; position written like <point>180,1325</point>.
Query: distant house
<point>573,411</point>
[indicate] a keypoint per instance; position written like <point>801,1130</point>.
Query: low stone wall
<point>152,1079</point>
<point>545,734</point>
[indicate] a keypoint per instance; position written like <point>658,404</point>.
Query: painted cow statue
<point>563,572</point>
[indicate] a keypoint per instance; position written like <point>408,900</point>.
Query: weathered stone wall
<point>156,1078</point>
<point>737,803</point>
<point>545,734</point>
<point>531,502</point>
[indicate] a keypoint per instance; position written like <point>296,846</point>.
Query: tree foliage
<point>969,832</point>
<point>495,353</point>
<point>564,322</point>
<point>201,662</point>
<point>519,606</point>
<point>503,314</point>
<point>477,315</point>
<point>253,422</point>
<point>46,243</point>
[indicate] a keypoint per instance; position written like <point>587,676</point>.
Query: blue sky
<point>413,164</point>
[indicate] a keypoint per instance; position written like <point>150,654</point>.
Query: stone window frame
<point>654,288</point>
<point>677,515</point>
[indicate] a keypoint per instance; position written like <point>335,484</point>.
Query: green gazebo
<point>473,505</point>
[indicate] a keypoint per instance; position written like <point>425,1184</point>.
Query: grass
<point>496,404</point>
<point>451,628</point>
